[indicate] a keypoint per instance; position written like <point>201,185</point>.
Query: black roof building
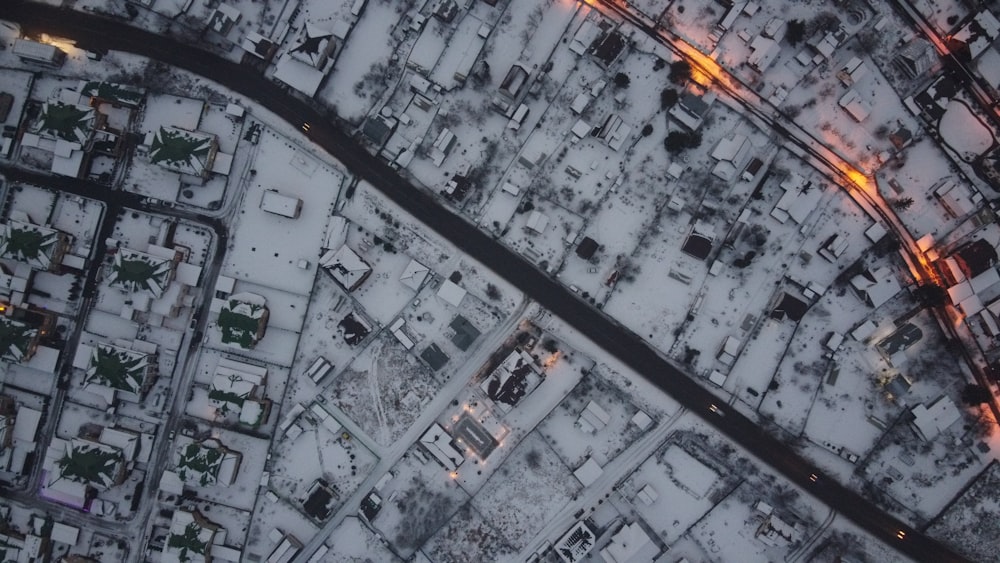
<point>587,248</point>
<point>608,48</point>
<point>434,357</point>
<point>465,333</point>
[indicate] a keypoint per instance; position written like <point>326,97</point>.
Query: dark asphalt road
<point>612,337</point>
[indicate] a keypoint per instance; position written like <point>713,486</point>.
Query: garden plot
<point>385,219</point>
<point>924,168</point>
<point>242,493</point>
<point>431,323</point>
<point>286,311</point>
<point>852,391</point>
<point>482,150</point>
<point>943,15</point>
<point>365,69</point>
<point>526,491</point>
<point>425,498</point>
<point>321,336</point>
<point>675,506</point>
<point>974,515</point>
<point>617,217</point>
<point>17,83</point>
<point>915,479</point>
<point>354,542</point>
<point>319,452</point>
<point>134,229</point>
<point>467,533</point>
<point>38,203</point>
<point>272,515</point>
<point>544,233</point>
<point>527,36</point>
<point>266,248</point>
<point>824,107</point>
<point>276,347</point>
<point>659,285</point>
<point>383,295</point>
<point>735,529</point>
<point>196,238</point>
<point>612,410</point>
<point>383,390</point>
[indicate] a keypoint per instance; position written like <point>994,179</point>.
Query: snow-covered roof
<point>286,206</point>
<point>26,424</point>
<point>877,286</point>
<point>439,444</point>
<point>117,368</point>
<point>931,421</point>
<point>451,293</point>
<point>242,319</point>
<point>976,36</point>
<point>733,153</point>
<point>763,51</point>
<point>626,545</point>
<point>207,463</point>
<point>584,37</point>
<point>537,221</point>
<point>187,152</point>
<point>346,266</point>
<point>589,472</point>
<point>313,46</point>
<point>414,274</point>
<point>299,75</point>
<point>69,122</point>
<point>858,108</point>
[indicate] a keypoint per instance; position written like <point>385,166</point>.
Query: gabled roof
<point>118,93</point>
<point>346,266</point>
<point>975,36</point>
<point>207,463</point>
<point>313,45</point>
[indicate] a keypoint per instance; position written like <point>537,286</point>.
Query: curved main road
<point>614,338</point>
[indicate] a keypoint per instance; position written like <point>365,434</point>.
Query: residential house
<point>243,320</point>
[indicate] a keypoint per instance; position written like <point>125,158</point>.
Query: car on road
<point>716,410</point>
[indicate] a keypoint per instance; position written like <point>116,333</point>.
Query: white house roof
<point>438,442</point>
<point>930,421</point>
<point>587,473</point>
<point>626,544</point>
<point>537,221</point>
<point>298,75</point>
<point>452,293</point>
<point>414,274</point>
